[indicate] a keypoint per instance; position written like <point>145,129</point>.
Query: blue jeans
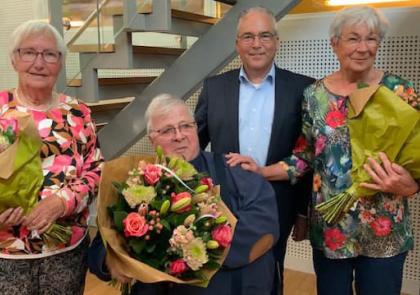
<point>372,276</point>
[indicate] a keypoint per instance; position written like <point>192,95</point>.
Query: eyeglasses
<point>264,37</point>
<point>354,41</point>
<point>170,131</point>
<point>30,54</point>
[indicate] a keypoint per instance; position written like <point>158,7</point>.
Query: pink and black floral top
<point>71,165</point>
<point>380,225</point>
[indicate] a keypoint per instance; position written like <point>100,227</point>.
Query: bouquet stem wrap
<point>378,121</point>
<point>20,174</point>
<point>117,171</point>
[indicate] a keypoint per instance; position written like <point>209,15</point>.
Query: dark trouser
<point>62,274</point>
<point>371,275</point>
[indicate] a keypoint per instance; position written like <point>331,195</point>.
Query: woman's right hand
<point>11,216</point>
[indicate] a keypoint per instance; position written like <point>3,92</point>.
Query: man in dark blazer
<point>258,96</point>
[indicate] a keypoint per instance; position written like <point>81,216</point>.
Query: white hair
<point>259,9</point>
<point>35,28</point>
<point>372,17</point>
<point>163,104</point>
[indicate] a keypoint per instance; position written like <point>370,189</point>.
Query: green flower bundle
<point>378,121</point>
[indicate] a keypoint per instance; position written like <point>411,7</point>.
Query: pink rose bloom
<point>381,226</point>
<point>135,225</point>
<point>76,234</point>
<point>177,267</point>
<point>223,235</point>
<point>152,174</point>
<point>6,123</point>
<point>177,197</point>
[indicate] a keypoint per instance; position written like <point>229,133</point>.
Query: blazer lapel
<point>231,92</point>
<point>281,101</point>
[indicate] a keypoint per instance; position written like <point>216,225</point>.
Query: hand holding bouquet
<point>378,121</point>
<point>21,175</point>
<point>164,221</point>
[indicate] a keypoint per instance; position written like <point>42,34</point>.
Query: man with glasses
<point>249,266</point>
<point>254,114</point>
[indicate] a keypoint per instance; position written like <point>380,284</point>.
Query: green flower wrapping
<point>378,121</point>
<point>21,175</point>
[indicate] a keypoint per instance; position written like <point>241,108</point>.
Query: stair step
<point>109,48</point>
<point>109,104</point>
<point>116,81</point>
<point>157,50</point>
<point>185,15</point>
<point>91,48</point>
<point>176,13</point>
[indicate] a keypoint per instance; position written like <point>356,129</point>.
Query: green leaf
<point>165,224</point>
<point>137,245</point>
<point>212,265</point>
<point>119,216</point>
<point>151,248</point>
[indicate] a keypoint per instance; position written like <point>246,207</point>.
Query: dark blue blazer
<point>217,118</point>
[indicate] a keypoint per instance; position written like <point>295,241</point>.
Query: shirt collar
<point>269,77</point>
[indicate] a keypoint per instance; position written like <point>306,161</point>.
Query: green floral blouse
<point>378,226</point>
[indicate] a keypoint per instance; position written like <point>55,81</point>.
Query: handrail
<point>87,22</point>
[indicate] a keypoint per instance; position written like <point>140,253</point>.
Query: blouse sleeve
<point>297,164</point>
<point>79,191</point>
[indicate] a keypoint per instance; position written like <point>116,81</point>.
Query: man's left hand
<point>389,177</point>
<point>246,162</point>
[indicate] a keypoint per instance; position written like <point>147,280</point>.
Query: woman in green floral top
<point>372,240</point>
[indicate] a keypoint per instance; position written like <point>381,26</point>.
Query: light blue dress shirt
<point>256,111</point>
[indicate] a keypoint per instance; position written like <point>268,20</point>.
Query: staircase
<point>122,101</point>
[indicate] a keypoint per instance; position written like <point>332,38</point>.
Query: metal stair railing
<point>184,76</point>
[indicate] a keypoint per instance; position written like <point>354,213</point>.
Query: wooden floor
<point>296,283</point>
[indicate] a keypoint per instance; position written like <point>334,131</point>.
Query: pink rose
<point>152,174</point>
<point>223,235</point>
<point>135,225</point>
<point>76,234</point>
<point>181,202</point>
<point>5,124</point>
<point>381,226</point>
<point>177,267</point>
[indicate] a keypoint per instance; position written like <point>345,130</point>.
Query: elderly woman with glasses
<point>371,242</point>
<point>70,161</point>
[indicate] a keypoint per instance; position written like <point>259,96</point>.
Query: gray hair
<point>35,28</point>
<point>372,17</point>
<point>260,9</point>
<point>163,104</point>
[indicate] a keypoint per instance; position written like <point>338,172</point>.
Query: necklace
<point>24,102</point>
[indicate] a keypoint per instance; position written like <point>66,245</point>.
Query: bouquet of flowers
<point>163,221</point>
<point>378,121</point>
<point>8,133</point>
<point>21,175</point>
